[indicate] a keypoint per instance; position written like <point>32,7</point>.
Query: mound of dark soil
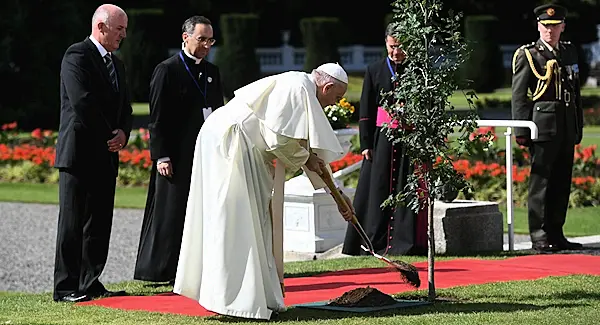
<point>363,297</point>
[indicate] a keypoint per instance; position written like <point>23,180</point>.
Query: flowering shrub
<point>488,176</point>
<point>31,157</point>
<point>339,114</point>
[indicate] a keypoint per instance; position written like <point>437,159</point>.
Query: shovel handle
<point>337,196</point>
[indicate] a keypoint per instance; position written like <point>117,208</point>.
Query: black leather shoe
<point>542,246</point>
<point>74,297</point>
<point>567,245</point>
<point>274,315</point>
<point>106,294</point>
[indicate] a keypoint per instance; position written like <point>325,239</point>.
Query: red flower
<point>37,133</point>
<point>9,126</point>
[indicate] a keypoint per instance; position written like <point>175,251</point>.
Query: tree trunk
<point>430,250</point>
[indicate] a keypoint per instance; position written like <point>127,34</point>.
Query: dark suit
<point>90,110</point>
<point>177,100</point>
<point>555,107</point>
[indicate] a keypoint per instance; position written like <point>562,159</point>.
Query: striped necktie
<point>111,71</point>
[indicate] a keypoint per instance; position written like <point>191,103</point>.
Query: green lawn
<point>458,100</point>
<point>140,108</point>
<point>591,136</point>
<point>553,300</point>
<point>126,197</point>
<point>580,222</point>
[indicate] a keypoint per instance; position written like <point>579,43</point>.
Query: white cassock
<point>231,260</point>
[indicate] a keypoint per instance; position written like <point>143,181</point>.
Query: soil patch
<point>363,297</point>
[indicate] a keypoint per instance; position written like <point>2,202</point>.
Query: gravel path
<point>27,242</point>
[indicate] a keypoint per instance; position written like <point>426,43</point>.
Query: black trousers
<point>549,188</point>
<point>84,226</point>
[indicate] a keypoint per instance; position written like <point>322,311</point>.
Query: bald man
<point>95,121</point>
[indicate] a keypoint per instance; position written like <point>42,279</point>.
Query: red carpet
<point>330,285</point>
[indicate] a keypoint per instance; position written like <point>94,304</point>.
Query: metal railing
<point>509,179</point>
<point>509,124</point>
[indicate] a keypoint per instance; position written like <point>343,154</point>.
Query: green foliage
<point>321,36</point>
<point>388,19</point>
<point>30,57</point>
<point>236,58</point>
<point>142,50</point>
<point>200,5</point>
<point>435,51</point>
<point>484,68</point>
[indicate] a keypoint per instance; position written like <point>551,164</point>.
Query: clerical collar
<point>195,59</point>
<point>99,46</point>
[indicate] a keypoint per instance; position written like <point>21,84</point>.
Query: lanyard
<point>194,79</point>
<point>390,67</point>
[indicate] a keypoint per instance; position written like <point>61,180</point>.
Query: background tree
<point>484,69</point>
<point>236,57</point>
<point>143,49</point>
<point>31,56</point>
<point>435,51</point>
<point>321,40</point>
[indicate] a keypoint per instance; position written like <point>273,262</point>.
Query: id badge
<point>206,112</point>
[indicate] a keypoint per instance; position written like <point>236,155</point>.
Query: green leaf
<point>436,50</point>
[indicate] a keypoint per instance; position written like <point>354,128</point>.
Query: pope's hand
<point>315,164</point>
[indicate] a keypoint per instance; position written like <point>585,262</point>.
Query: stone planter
<point>344,136</point>
<point>311,221</point>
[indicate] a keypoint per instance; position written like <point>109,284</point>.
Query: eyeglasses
<point>204,40</point>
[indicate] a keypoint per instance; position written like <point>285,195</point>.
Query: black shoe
<point>542,246</point>
<point>106,294</point>
<point>564,244</point>
<point>74,297</point>
<point>274,315</point>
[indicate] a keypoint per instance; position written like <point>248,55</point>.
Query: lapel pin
<point>209,79</point>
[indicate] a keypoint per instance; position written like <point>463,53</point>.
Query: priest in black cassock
<point>385,169</point>
<point>184,90</point>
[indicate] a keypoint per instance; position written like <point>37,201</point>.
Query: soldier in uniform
<point>548,70</point>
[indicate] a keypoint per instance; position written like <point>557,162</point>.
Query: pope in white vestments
<point>231,258</point>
